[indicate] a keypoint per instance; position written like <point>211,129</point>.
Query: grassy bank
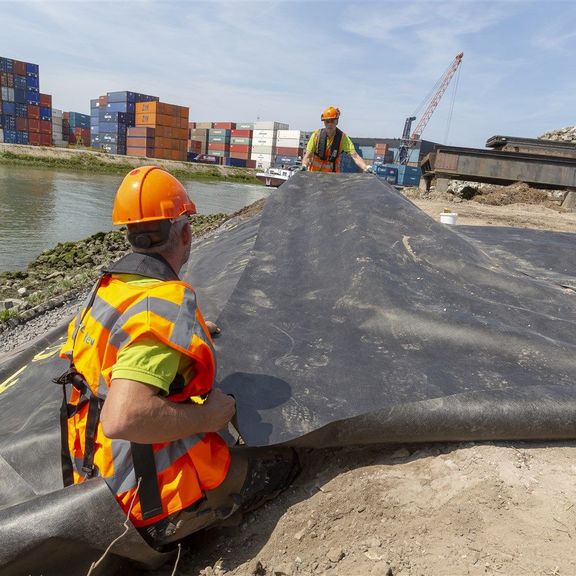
<point>68,269</point>
<point>87,160</point>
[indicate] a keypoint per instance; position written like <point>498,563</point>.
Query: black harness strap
<point>321,145</point>
<point>94,408</point>
<point>145,470</point>
<point>65,458</point>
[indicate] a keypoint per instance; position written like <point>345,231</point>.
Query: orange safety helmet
<point>150,193</point>
<point>330,113</point>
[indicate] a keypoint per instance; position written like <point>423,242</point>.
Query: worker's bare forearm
<point>134,411</point>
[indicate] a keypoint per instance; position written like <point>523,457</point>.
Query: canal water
<point>40,208</point>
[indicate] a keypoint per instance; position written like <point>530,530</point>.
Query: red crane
<point>409,140</point>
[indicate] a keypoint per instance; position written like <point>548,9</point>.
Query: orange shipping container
<point>242,148</point>
<point>138,151</point>
<point>33,111</point>
<point>141,131</point>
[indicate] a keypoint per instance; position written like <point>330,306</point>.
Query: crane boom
<point>409,141</point>
<point>445,80</point>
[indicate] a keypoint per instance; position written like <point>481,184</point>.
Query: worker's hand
<point>219,409</point>
<point>303,168</point>
<point>369,170</point>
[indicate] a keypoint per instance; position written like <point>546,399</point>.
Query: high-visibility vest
<point>327,158</point>
<point>119,313</point>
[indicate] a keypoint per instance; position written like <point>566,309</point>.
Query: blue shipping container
<point>9,108</point>
<point>21,95</point>
<point>32,68</point>
<point>21,137</point>
<point>19,81</point>
<point>21,110</point>
<point>32,82</point>
<point>10,136</point>
<point>32,98</point>
<point>9,122</point>
<point>45,113</point>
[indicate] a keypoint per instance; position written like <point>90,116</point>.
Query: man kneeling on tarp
<point>142,412</point>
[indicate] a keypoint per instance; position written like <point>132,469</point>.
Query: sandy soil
<point>437,510</point>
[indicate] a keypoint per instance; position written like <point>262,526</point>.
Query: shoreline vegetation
<point>69,269</point>
<point>88,160</point>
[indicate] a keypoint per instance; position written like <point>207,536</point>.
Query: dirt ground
<point>435,510</point>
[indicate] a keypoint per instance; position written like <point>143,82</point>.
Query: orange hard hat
<point>330,113</point>
<point>150,193</point>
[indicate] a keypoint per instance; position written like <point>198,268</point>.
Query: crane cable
<point>451,109</point>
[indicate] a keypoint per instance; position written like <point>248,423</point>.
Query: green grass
<point>93,163</point>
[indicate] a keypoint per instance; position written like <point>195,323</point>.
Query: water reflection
<point>40,208</point>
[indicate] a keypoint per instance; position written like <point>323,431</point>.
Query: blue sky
<point>287,60</point>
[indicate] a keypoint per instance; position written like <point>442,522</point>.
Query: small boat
<point>276,176</point>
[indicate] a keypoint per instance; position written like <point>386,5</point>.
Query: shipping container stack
<point>110,118</point>
<point>219,139</point>
<point>198,138</point>
<point>77,128</point>
<point>241,145</point>
<point>290,146</point>
<point>264,138</point>
<point>58,129</point>
<point>382,153</point>
<point>25,113</point>
<point>160,131</point>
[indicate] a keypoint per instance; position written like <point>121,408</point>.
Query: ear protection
<point>145,239</point>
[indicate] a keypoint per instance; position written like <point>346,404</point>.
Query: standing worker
<point>141,411</point>
<point>326,146</point>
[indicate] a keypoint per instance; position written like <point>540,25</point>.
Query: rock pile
<point>567,134</point>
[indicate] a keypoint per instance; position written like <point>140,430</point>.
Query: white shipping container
<point>290,143</point>
<point>269,150</point>
<point>270,126</point>
<point>263,142</point>
<point>264,134</point>
<point>295,134</point>
<point>56,112</point>
<point>7,94</point>
<point>260,156</point>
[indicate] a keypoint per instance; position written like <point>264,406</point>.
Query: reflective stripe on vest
<point>120,313</point>
<point>321,158</point>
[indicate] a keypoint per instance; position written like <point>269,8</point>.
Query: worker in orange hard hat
<point>141,409</point>
<point>326,146</point>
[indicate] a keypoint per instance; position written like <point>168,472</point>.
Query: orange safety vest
<point>173,475</point>
<point>327,158</point>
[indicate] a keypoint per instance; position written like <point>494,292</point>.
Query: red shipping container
<point>34,138</point>
<point>46,100</point>
<point>250,163</point>
<point>220,146</point>
<point>241,133</point>
<point>46,139</point>
<point>34,125</point>
<point>7,80</point>
<point>288,151</point>
<point>225,125</point>
<point>191,125</point>
<point>240,148</point>
<point>103,100</point>
<point>21,124</point>
<point>20,67</point>
<point>33,111</point>
<point>46,127</point>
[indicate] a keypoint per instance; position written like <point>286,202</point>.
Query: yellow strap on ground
<point>11,380</point>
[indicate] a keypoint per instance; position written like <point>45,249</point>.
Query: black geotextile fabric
<point>354,318</point>
<point>360,319</point>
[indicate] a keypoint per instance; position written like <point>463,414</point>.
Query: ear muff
<point>145,239</point>
<point>142,241</point>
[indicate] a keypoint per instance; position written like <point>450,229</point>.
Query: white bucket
<point>448,217</point>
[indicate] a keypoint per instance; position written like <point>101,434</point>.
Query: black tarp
<point>348,317</point>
